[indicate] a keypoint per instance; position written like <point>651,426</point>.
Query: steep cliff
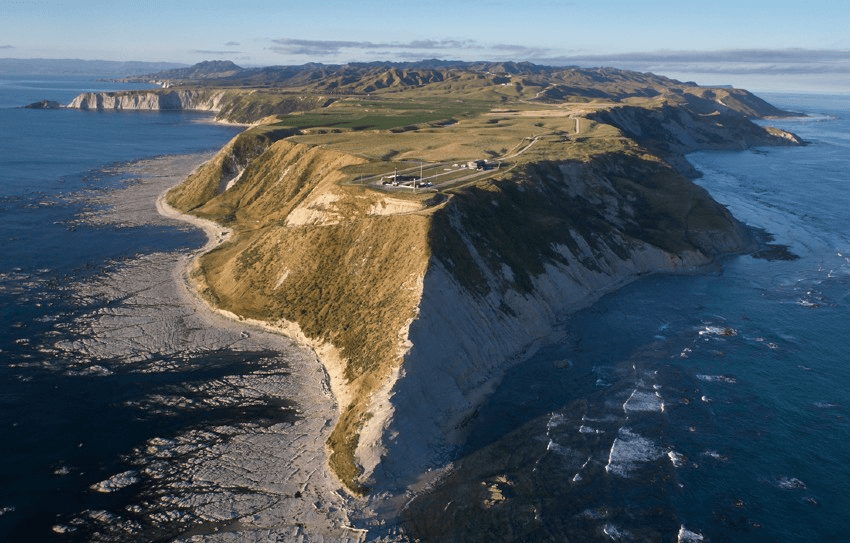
<point>230,105</point>
<point>418,303</point>
<point>318,260</point>
<point>710,119</point>
<point>508,259</point>
<point>189,99</point>
<point>248,95</point>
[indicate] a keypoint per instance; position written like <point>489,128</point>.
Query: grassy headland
<point>578,165</point>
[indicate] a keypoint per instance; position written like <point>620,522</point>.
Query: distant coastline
<point>77,67</point>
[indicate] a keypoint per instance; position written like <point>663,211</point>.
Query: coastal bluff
<point>193,100</point>
<point>418,297</point>
<point>237,106</point>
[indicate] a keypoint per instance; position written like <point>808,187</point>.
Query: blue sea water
<point>707,406</point>
<point>710,405</point>
<point>60,434</point>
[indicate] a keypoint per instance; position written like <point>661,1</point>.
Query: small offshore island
<point>423,226</point>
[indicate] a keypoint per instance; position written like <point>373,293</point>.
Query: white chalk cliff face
<point>195,100</point>
<point>230,105</point>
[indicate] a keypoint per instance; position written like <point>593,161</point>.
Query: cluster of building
<point>397,179</point>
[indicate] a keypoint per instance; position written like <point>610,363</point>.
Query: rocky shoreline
<point>414,345</point>
<point>245,481</point>
<point>415,316</point>
<point>309,501</point>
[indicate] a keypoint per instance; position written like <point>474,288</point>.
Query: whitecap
<point>678,459</point>
<point>614,533</point>
<point>4,510</point>
<point>606,418</point>
<point>790,483</point>
<point>724,331</point>
<point>628,450</point>
<point>555,420</point>
<point>687,536</point>
<point>641,400</point>
<point>588,430</point>
<point>716,378</point>
<point>715,455</point>
<point>555,447</point>
<point>577,477</point>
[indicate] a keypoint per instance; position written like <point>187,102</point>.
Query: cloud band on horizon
<point>208,52</point>
<point>291,46</point>
<point>740,61</point>
<point>415,49</point>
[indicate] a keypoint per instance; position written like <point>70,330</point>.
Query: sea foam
<point>628,450</point>
<point>687,536</point>
<point>642,400</point>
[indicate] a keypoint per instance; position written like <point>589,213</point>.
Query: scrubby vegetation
<point>576,160</point>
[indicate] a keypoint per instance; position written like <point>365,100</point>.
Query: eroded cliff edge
<point>418,301</point>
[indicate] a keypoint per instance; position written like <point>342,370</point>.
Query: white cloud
<point>731,61</point>
<point>209,52</point>
<point>324,48</point>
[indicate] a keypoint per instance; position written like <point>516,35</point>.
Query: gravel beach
<point>264,478</point>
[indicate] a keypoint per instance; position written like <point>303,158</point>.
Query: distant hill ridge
<point>547,84</point>
<point>418,298</point>
<point>203,70</point>
<point>343,76</point>
<point>99,68</point>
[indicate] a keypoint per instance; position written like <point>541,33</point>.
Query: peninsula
<point>423,226</point>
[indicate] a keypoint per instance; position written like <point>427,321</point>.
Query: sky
<point>759,44</point>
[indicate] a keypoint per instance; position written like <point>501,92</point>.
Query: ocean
<point>690,407</point>
<point>71,413</point>
<point>708,407</point>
